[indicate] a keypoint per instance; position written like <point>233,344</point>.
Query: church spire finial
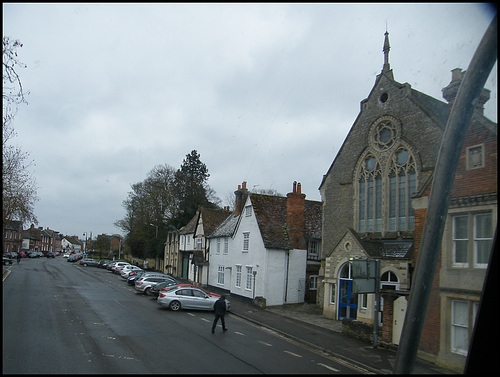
<point>386,49</point>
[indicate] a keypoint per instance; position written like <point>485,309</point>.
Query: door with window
<point>348,301</point>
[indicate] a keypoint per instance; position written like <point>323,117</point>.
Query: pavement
<point>305,324</point>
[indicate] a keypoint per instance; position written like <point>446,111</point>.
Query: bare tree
<point>19,190</point>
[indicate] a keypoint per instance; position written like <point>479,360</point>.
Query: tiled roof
<point>212,218</point>
<point>226,229</point>
<point>386,248</point>
<point>271,212</point>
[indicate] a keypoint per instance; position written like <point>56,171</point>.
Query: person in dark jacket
<point>220,312</point>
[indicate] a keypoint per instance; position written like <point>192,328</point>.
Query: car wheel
<point>175,306</point>
<point>147,291</point>
<point>85,265</point>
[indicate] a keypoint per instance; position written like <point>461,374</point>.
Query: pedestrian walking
<point>18,258</point>
<point>220,312</point>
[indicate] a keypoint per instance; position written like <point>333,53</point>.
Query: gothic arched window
<point>370,196</point>
<point>402,184</point>
<point>386,178</point>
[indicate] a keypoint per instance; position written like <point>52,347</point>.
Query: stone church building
<point>375,197</point>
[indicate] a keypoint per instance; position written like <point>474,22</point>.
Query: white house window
<point>460,241</point>
<point>218,246</point>
<point>462,321</point>
<point>226,245</point>
<point>248,211</point>
<point>332,293</point>
<point>246,241</point>
<point>199,243</point>
<point>238,276</point>
<point>313,249</point>
<point>220,275</point>
<point>472,232</point>
<point>249,278</point>
<point>389,280</point>
<point>483,239</point>
<point>313,282</point>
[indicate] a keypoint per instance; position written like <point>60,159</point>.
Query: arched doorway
<point>348,302</point>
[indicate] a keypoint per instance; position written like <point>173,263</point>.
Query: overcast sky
<point>266,93</point>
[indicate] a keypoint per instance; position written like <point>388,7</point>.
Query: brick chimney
<point>451,91</point>
<point>295,208</point>
<point>241,198</point>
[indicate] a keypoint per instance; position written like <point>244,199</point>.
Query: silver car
<point>144,283</point>
<point>188,298</point>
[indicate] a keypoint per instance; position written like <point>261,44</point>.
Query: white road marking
<point>328,367</point>
<point>264,343</point>
<point>293,354</point>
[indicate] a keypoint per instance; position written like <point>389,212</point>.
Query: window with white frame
<point>472,232</point>
<point>313,249</point>
<point>389,280</point>
<point>246,241</point>
<point>238,277</point>
<point>218,246</point>
<point>226,245</point>
<point>248,285</point>
<point>220,275</point>
<point>199,243</point>
<point>313,282</point>
<point>463,316</point>
<point>460,241</point>
<point>483,239</point>
<point>248,211</point>
<point>332,293</point>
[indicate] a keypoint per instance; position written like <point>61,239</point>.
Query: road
<point>60,317</point>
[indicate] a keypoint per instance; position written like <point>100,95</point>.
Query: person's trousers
<point>216,319</point>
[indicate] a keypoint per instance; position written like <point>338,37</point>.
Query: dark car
<point>103,263</point>
<point>7,260</point>
<point>50,254</point>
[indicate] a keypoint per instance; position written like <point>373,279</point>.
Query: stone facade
<point>375,197</point>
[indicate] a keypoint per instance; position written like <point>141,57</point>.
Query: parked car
<point>72,258</point>
<point>155,289</point>
<point>7,260</point>
<point>144,283</point>
<point>117,264</point>
<point>181,285</point>
<point>117,269</point>
<point>66,255</point>
<point>103,263</point>
<point>137,274</point>
<point>188,298</point>
<point>88,262</point>
<point>50,254</point>
<point>128,269</point>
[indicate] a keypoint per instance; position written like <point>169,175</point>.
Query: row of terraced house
<point>16,239</point>
<point>374,198</point>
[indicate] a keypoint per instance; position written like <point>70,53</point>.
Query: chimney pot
<point>244,185</point>
<point>299,188</point>
<point>294,187</point>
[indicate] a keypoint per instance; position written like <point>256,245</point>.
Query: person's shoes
<point>212,331</point>
<point>224,330</point>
